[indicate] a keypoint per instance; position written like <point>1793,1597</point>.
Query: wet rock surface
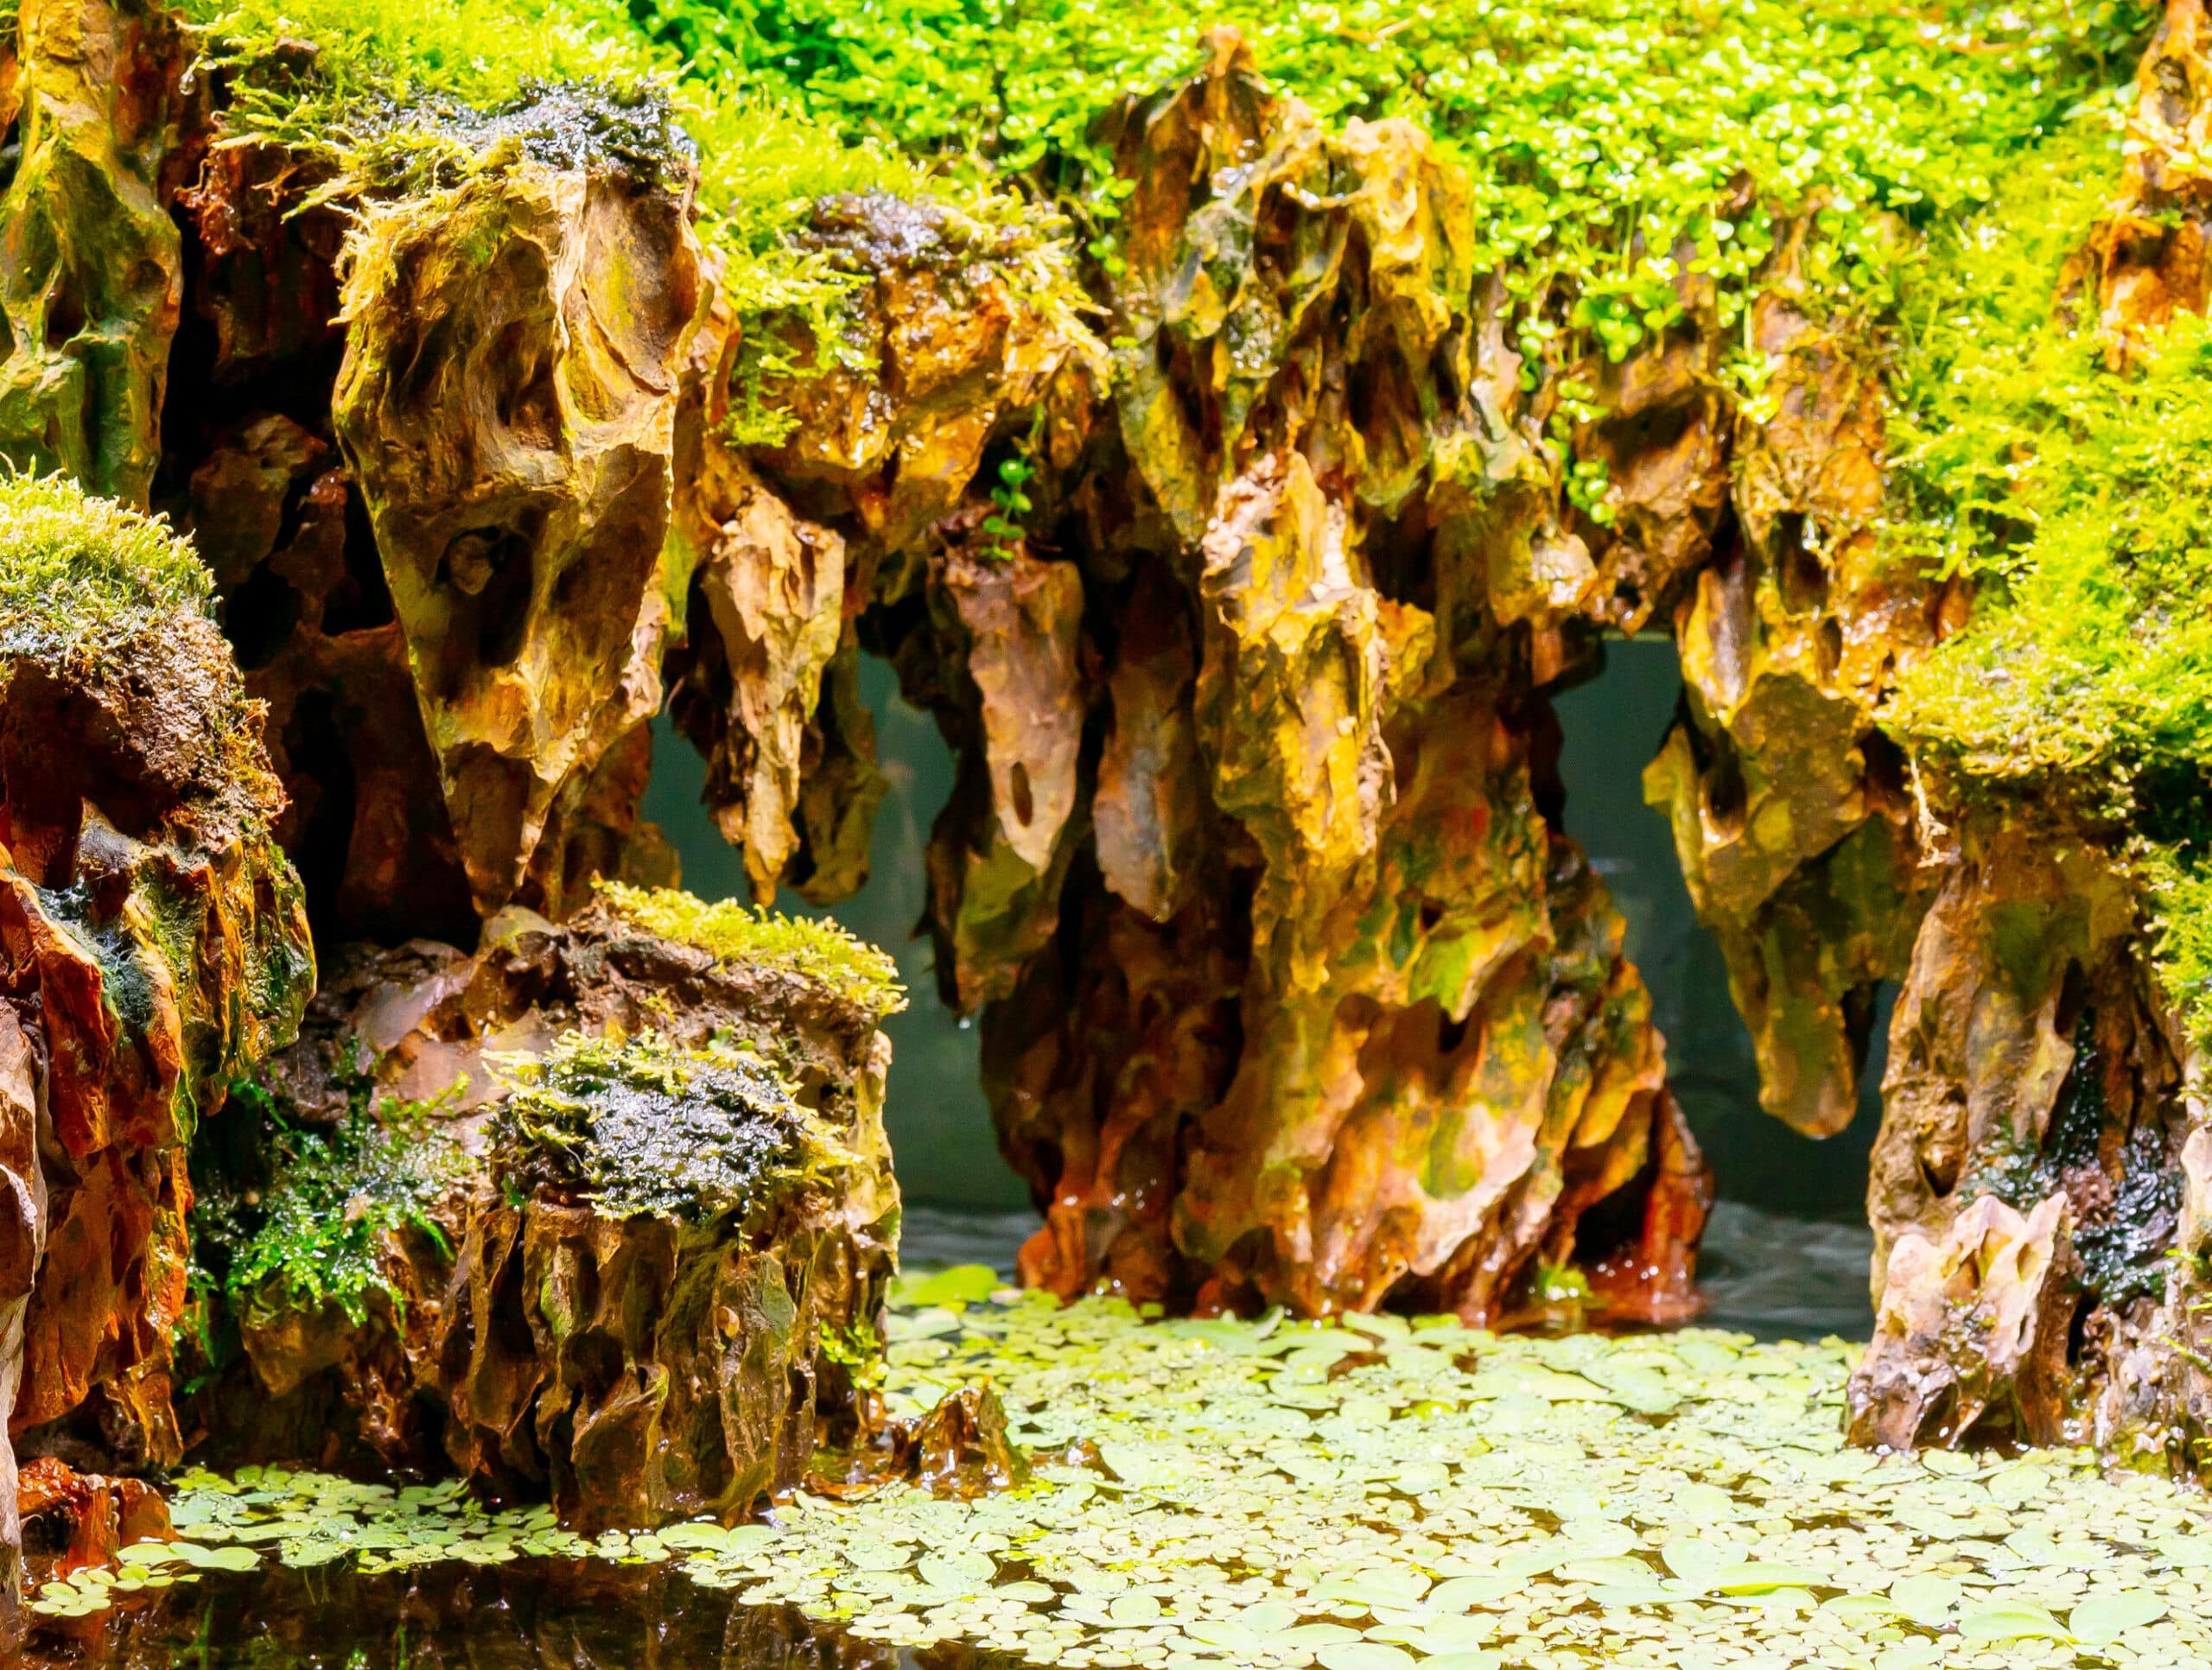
<point>650,1214</point>
<point>152,944</point>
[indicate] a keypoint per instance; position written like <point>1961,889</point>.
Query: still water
<point>1769,1276</point>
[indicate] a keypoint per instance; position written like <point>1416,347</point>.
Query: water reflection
<point>531,1615</point>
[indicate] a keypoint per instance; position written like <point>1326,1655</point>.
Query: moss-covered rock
<point>576,1214</point>
<point>91,277</point>
<point>152,946</point>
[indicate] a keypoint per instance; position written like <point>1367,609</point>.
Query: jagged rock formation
<point>1243,603</point>
<point>2038,1196</point>
<point>152,945</point>
<point>636,1267</point>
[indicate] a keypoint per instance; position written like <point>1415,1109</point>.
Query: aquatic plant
<point>1613,147</point>
<point>1367,1496</point>
<point>335,1199</point>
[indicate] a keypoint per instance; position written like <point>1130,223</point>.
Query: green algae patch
<point>82,575</point>
<point>813,949</point>
<point>643,1125</point>
<point>1372,1495</point>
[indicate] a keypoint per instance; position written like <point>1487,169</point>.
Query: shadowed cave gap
<point>1611,725</point>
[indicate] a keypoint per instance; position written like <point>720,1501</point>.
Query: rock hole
<point>259,616</point>
<point>1024,808</point>
<point>495,567</point>
<point>1451,1033</point>
<point>1727,799</point>
<point>1885,767</point>
<point>1803,577</point>
<point>65,319</point>
<point>529,406</point>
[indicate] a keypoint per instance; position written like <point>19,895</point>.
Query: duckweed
<point>1375,1495</point>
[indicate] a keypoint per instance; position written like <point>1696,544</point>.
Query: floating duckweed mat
<point>1369,1496</point>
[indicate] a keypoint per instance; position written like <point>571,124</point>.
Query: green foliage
<point>643,1125</point>
<point>1605,140</point>
<point>2180,886</point>
<point>404,96</point>
<point>813,949</point>
<point>79,574</point>
<point>335,1199</point>
<point>2070,488</point>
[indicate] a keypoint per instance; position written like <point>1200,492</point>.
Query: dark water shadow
<point>530,1615</point>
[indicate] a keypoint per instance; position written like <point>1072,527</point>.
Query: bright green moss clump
<point>79,574</point>
<point>814,949</point>
<point>642,1126</point>
<point>2071,490</point>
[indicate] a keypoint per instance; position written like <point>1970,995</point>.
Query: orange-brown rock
<point>639,1361</point>
<point>152,946</point>
<point>516,472</point>
<point>77,1520</point>
<point>2029,1181</point>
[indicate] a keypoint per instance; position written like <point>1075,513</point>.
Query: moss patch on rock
<point>815,949</point>
<point>643,1125</point>
<point>335,1198</point>
<point>79,574</point>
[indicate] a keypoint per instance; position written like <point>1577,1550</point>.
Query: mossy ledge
<point>1236,453</point>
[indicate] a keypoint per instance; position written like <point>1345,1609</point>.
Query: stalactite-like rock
<point>1354,1023</point>
<point>152,945</point>
<point>1791,814</point>
<point>510,424</point>
<point>90,280</point>
<point>637,1358</point>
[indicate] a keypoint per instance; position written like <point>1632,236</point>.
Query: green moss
<point>80,575</point>
<point>2069,490</point>
<point>2179,882</point>
<point>398,96</point>
<point>813,949</point>
<point>643,1125</point>
<point>332,1202</point>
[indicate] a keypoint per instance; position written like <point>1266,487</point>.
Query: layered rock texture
<point>152,945</point>
<point>1239,544</point>
<point>616,1212</point>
